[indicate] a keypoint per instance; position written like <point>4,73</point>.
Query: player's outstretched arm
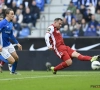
<point>47,35</point>
<point>13,37</point>
<point>50,30</point>
<point>15,40</point>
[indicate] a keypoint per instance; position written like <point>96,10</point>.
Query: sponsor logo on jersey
<point>7,32</point>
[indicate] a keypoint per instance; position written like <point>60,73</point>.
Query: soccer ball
<point>95,65</point>
<point>48,64</point>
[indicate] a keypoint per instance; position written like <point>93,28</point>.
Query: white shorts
<point>6,51</point>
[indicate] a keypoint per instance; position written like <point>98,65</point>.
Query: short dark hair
<point>8,10</point>
<point>57,19</point>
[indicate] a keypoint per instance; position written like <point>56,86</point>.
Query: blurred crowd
<point>26,14</point>
<point>82,18</point>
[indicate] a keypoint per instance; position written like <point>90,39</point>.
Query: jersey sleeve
<point>49,31</point>
<point>13,38</point>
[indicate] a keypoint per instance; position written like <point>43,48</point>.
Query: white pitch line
<point>6,79</point>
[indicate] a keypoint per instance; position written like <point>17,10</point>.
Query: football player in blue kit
<point>6,33</point>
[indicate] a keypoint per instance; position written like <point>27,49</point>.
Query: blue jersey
<point>6,33</point>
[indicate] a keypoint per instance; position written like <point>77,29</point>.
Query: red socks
<point>64,64</point>
<point>2,63</point>
<point>84,58</point>
<point>61,66</point>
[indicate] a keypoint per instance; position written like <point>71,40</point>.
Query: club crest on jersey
<point>48,30</point>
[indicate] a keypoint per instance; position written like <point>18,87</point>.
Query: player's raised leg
<point>67,60</point>
<point>10,67</point>
<point>85,57</point>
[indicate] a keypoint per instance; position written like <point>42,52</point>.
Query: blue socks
<point>14,66</point>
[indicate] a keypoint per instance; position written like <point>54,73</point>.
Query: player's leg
<point>66,62</point>
<point>75,54</point>
<point>85,57</point>
<point>6,55</point>
<point>1,65</point>
<point>14,66</point>
<point>10,60</point>
<point>13,53</point>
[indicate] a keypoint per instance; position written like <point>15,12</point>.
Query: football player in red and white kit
<point>54,41</point>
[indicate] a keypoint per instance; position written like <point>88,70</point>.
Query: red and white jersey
<point>55,37</point>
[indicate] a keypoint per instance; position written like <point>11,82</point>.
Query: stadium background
<point>35,53</point>
<point>34,58</point>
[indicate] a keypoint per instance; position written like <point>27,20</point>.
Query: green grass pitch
<point>43,80</point>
